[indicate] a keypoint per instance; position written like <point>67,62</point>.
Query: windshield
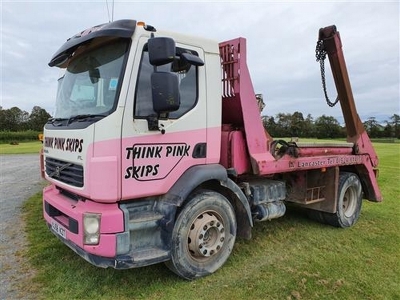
<point>91,82</point>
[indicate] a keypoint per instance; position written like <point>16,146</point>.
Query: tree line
<point>14,119</point>
<point>282,125</point>
<point>295,125</point>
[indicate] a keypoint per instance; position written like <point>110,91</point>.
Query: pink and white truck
<point>157,151</point>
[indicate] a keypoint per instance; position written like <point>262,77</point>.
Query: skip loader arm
<point>330,41</point>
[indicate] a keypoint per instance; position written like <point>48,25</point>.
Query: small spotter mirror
<point>161,50</point>
<point>192,59</point>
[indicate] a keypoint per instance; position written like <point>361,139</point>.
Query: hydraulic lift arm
<point>329,38</point>
<point>329,42</point>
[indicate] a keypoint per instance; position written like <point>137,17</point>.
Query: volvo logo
<point>58,169</point>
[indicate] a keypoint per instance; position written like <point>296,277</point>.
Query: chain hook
<point>320,55</point>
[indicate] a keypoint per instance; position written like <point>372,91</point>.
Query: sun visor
<point>120,28</point>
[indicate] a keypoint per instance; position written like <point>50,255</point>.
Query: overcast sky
<point>281,38</point>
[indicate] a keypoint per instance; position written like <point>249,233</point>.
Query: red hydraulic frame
<point>240,109</point>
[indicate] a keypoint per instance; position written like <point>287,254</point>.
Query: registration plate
<point>57,228</point>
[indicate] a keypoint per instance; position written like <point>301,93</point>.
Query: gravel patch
<point>19,179</point>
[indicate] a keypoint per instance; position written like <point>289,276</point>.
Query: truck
<point>157,151</point>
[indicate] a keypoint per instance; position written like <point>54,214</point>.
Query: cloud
<point>281,38</point>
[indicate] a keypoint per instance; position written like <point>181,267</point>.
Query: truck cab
<point>107,145</point>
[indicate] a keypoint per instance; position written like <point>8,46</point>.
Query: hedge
<point>7,137</point>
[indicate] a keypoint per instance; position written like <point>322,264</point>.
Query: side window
<point>187,75</point>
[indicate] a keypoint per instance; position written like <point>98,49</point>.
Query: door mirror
<point>165,92</point>
<point>161,50</point>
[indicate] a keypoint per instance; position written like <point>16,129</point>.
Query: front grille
<point>65,172</point>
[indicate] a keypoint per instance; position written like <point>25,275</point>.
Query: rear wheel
<point>348,203</point>
<point>348,206</point>
<point>203,236</point>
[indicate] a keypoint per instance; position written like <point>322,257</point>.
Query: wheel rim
<point>349,204</point>
<point>206,235</point>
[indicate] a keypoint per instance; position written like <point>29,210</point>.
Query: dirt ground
<point>19,179</point>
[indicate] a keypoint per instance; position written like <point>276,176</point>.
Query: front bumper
<point>120,261</point>
<point>68,213</point>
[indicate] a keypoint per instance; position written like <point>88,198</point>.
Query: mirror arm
<point>154,66</point>
<point>153,124</point>
<point>152,121</point>
<point>161,128</point>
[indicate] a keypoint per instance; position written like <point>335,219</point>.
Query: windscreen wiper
<point>84,117</point>
<point>53,120</point>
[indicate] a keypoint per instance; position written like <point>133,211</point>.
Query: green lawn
<point>21,148</point>
<point>288,258</point>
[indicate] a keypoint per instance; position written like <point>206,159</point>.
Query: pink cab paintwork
<point>109,176</point>
<point>111,220</point>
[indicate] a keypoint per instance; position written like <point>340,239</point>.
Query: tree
<point>372,127</point>
<point>13,119</point>
<point>297,124</point>
<point>396,125</point>
<point>327,127</point>
<point>289,125</point>
<point>309,126</point>
<point>388,131</point>
<point>2,119</point>
<point>270,125</point>
<point>283,124</point>
<point>38,118</point>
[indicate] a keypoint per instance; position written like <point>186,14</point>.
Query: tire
<point>316,215</point>
<point>348,203</point>
<point>203,236</point>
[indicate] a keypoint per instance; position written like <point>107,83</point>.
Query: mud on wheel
<point>203,236</point>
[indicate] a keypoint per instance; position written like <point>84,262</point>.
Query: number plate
<point>57,228</point>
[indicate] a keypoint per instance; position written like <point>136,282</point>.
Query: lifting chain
<point>320,55</point>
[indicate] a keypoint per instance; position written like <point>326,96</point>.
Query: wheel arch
<point>213,177</point>
<point>234,194</point>
<point>363,174</point>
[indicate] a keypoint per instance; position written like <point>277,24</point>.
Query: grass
<point>21,148</point>
<point>288,258</point>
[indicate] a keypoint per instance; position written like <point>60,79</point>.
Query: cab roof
<point>120,28</point>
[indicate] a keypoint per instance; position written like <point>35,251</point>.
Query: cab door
<point>158,149</point>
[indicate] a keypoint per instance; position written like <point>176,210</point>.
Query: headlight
<point>91,228</point>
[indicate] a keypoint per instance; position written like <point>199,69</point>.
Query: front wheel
<point>203,235</point>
